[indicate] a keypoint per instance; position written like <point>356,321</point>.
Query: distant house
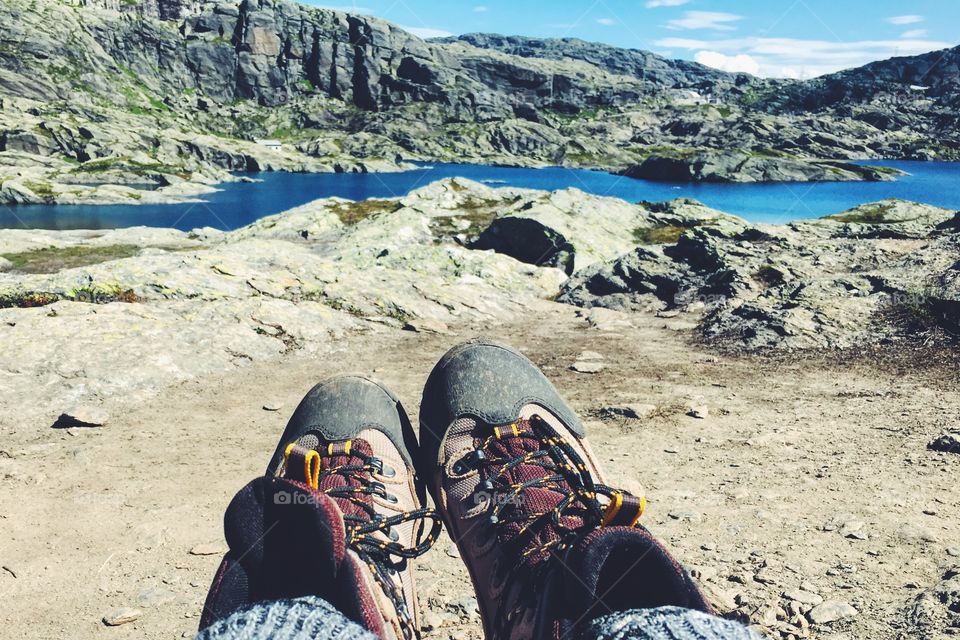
<point>276,145</point>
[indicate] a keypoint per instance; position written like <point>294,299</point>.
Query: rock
<point>208,549</point>
<point>738,166</point>
<point>805,597</point>
<point>947,443</point>
<point>685,516</point>
<point>700,412</point>
<point>273,406</point>
<point>913,533</point>
<point>432,620</point>
<point>121,615</point>
<point>588,367</point>
<point>702,573</point>
<point>427,325</point>
<point>630,411</point>
<point>82,416</point>
<point>831,611</point>
<point>155,596</point>
<point>953,552</point>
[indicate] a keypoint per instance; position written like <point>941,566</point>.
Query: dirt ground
<point>803,473</point>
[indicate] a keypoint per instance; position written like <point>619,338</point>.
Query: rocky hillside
<point>879,273</point>
<point>162,91</point>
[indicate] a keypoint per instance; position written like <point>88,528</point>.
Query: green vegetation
<point>679,153</point>
<point>875,213</point>
<point>667,234</point>
<point>27,300</point>
<point>128,165</point>
<point>768,153</point>
<point>354,212</point>
<point>41,189</point>
<point>96,294</point>
<point>54,259</point>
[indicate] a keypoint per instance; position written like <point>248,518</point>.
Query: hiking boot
<point>338,514</point>
<point>548,544</point>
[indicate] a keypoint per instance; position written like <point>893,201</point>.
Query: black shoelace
<point>564,472</point>
<point>376,553</point>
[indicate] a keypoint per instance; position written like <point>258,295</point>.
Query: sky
<point>770,38</point>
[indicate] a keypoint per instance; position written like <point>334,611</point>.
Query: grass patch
<point>41,189</point>
<point>54,259</point>
<point>678,153</point>
<point>867,214</point>
<point>27,300</point>
<point>354,212</point>
<point>667,233</point>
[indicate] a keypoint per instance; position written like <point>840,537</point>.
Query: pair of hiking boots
<point>340,513</point>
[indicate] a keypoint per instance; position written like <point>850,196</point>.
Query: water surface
<point>238,204</point>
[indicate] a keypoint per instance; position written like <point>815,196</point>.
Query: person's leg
<point>337,516</point>
<point>307,618</point>
<point>549,545</point>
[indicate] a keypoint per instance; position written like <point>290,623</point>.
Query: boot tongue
<point>621,568</point>
<point>542,500</point>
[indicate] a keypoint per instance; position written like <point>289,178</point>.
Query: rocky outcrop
<point>833,283</point>
<point>358,93</point>
<point>128,311</point>
<point>737,166</point>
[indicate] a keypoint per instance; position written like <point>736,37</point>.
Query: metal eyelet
<point>388,472</point>
<point>392,499</point>
<point>392,534</point>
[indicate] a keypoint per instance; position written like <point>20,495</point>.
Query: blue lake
<point>238,204</point>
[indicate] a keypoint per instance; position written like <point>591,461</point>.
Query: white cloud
<point>740,62</point>
<point>607,22</point>
<point>653,4</point>
<point>427,32</point>
<point>715,20</point>
<point>914,33</point>
<point>905,19</point>
<point>790,57</point>
<point>481,9</point>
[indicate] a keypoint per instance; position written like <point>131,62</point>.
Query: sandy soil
<point>753,496</point>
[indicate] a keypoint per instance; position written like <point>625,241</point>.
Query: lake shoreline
<point>250,196</point>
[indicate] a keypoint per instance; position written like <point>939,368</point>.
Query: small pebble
<point>700,412</point>
<point>830,611</point>
<point>272,406</point>
<point>208,549</point>
<point>121,615</point>
<point>588,367</point>
<point>805,597</point>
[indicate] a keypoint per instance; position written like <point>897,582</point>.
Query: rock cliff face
<point>102,78</point>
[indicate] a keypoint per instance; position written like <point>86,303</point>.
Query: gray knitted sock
<point>665,623</point>
<point>306,618</point>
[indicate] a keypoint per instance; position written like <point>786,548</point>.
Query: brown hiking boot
<point>338,514</point>
<point>548,545</point>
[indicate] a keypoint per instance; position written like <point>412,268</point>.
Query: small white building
<point>275,145</point>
